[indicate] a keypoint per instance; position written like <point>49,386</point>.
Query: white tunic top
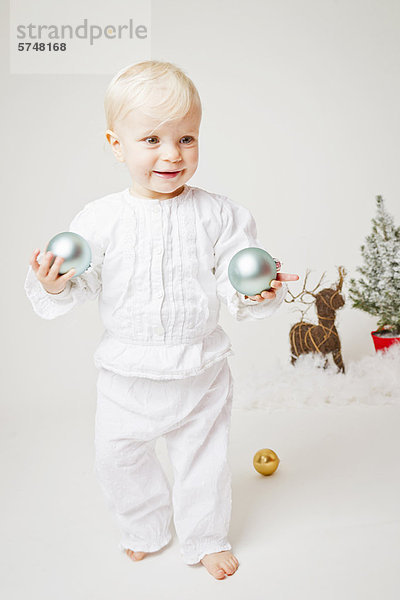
<point>159,269</point>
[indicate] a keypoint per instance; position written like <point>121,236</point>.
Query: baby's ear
<point>114,142</point>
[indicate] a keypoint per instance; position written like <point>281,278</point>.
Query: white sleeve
<point>238,231</point>
<point>84,287</point>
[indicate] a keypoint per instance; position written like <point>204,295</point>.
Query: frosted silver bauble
<point>73,248</point>
<point>251,271</point>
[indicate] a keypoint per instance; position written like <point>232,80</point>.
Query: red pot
<point>381,343</point>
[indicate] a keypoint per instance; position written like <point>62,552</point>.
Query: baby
<point>160,256</point>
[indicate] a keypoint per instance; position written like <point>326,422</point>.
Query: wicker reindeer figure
<point>307,337</point>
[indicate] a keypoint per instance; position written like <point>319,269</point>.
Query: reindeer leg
<point>337,357</point>
<point>325,365</point>
<point>293,358</point>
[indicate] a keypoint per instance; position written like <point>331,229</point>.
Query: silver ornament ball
<point>74,249</point>
<point>251,271</point>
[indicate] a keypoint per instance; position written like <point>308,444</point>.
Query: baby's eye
<point>151,138</point>
<point>187,137</point>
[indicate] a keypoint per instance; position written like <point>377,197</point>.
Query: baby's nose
<point>171,153</point>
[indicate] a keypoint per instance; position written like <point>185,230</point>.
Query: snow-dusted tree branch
<point>377,291</point>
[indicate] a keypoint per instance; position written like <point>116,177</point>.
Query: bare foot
<point>220,564</point>
<point>135,555</point>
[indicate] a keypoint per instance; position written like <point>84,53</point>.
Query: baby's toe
<point>219,573</point>
<point>234,563</point>
<point>135,555</point>
<point>229,567</point>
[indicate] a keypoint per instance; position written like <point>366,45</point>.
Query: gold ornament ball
<point>265,461</point>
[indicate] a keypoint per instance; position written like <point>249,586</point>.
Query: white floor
<point>325,526</point>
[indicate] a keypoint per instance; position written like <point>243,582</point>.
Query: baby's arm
<point>84,287</point>
<point>238,231</point>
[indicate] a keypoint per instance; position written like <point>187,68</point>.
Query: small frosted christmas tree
<point>377,292</point>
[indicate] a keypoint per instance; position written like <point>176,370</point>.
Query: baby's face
<point>150,152</point>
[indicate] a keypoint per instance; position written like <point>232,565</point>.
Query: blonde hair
<point>139,86</point>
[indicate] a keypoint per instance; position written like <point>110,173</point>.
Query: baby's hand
<point>275,284</point>
<point>52,282</point>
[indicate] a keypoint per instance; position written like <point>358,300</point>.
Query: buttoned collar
<point>152,202</point>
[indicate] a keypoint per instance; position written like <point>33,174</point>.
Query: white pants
<point>193,415</point>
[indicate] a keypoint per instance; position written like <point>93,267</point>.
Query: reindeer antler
<point>342,275</point>
<point>304,311</point>
<point>304,291</point>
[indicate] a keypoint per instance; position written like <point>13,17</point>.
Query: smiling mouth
<point>167,174</point>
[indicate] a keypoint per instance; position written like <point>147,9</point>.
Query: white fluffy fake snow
<point>373,380</point>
